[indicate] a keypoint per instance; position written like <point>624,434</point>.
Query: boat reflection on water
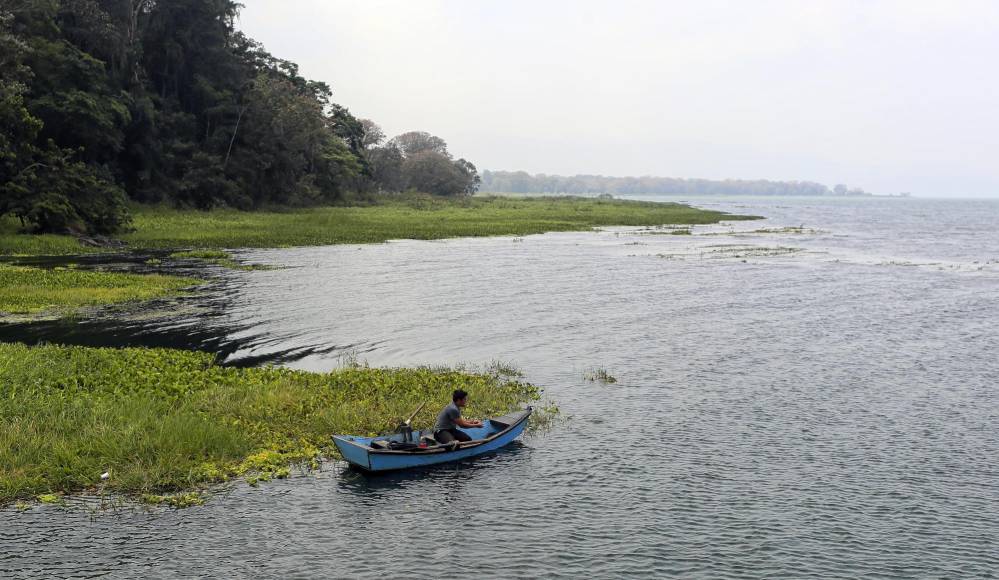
<point>381,485</point>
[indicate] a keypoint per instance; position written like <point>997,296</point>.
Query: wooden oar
<point>411,417</point>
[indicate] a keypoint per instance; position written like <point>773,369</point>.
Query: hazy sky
<point>889,96</point>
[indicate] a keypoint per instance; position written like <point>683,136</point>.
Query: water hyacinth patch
<point>166,420</point>
<point>26,290</point>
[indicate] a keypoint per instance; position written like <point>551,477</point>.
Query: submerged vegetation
<point>158,420</point>
<point>746,251</point>
<point>218,258</point>
<point>179,500</point>
<point>25,290</point>
<point>728,251</point>
<point>785,230</point>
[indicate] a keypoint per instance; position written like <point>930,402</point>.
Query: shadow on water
<point>182,334</point>
<point>376,485</point>
<point>137,262</point>
<point>196,321</point>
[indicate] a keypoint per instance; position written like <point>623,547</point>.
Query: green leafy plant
<point>174,421</point>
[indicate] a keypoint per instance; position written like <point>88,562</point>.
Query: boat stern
<point>355,453</point>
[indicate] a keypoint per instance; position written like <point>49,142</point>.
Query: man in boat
<point>446,430</point>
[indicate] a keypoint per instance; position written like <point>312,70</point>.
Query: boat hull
<point>357,450</point>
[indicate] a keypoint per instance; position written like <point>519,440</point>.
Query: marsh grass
<point>408,216</point>
<point>178,500</point>
<point>507,369</point>
<point>676,229</point>
<point>202,255</point>
<point>14,243</point>
<point>164,420</point>
<point>746,251</point>
<point>26,290</point>
<point>786,230</point>
<point>732,251</point>
<point>402,217</point>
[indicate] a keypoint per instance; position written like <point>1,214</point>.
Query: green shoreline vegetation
<point>111,110</point>
<point>421,217</point>
<point>25,290</point>
<point>160,421</point>
<point>202,235</point>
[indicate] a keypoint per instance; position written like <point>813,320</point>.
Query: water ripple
<point>809,415</point>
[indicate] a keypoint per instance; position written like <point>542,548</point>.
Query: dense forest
<point>107,101</point>
<point>522,182</point>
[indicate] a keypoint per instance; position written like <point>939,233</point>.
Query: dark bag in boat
<point>399,446</point>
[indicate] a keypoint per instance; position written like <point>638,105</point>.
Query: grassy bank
<point>32,290</point>
<point>405,217</point>
<point>166,420</point>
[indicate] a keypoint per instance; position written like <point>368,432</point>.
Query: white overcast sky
<point>890,96</point>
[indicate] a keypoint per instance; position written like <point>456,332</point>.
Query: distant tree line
<point>106,101</point>
<point>523,182</point>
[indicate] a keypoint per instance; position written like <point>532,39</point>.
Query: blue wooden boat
<point>417,448</point>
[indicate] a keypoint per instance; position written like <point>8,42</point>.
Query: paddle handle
<point>410,420</point>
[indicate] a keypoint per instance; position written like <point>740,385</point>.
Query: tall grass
<point>164,420</point>
<point>14,243</point>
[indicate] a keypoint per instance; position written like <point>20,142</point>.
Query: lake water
<point>817,404</point>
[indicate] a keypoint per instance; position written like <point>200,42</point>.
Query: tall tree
<point>433,172</point>
<point>46,186</point>
<point>415,142</point>
<point>373,134</point>
<point>169,102</point>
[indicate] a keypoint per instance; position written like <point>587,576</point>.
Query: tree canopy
<point>106,100</point>
<point>420,161</point>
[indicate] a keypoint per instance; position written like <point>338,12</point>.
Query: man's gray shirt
<point>448,418</point>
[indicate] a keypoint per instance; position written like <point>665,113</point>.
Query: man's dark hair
<point>458,395</point>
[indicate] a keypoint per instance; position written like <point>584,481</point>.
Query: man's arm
<point>468,423</point>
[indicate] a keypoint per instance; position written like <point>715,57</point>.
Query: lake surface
<point>818,404</point>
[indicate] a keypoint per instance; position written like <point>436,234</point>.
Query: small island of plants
<point>158,421</point>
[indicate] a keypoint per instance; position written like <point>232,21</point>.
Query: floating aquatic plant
<point>26,290</point>
<point>180,500</point>
<point>600,375</point>
<point>170,420</point>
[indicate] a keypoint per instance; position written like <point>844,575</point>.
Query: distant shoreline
<point>587,184</point>
<point>692,195</point>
